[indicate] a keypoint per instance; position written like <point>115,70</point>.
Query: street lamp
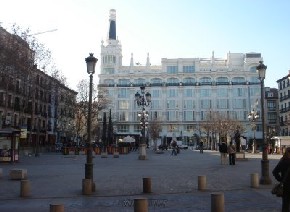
<point>143,100</point>
<point>253,116</point>
<point>88,183</point>
<point>265,179</point>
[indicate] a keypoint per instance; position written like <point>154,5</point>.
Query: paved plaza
<point>57,179</point>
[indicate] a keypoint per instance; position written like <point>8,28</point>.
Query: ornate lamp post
<point>143,100</point>
<point>265,179</point>
<point>88,184</point>
<point>253,116</point>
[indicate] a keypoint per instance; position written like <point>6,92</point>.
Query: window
<point>238,92</point>
<point>222,92</point>
<point>238,80</point>
<point>172,69</point>
<point>172,115</point>
<point>254,80</point>
<point>173,81</point>
<point>205,92</point>
<point>189,80</point>
<point>271,105</point>
<point>123,116</point>
<point>240,115</point>
<point>124,81</point>
<point>109,59</point>
<point>123,104</point>
<point>188,92</point>
<point>255,91</point>
<point>188,69</point>
<point>205,103</point>
<point>109,81</point>
<point>239,103</point>
<point>139,81</point>
<point>171,104</point>
<point>222,79</point>
<point>123,93</point>
<point>108,71</point>
<point>171,93</point>
<point>123,128</point>
<point>223,104</point>
<point>156,81</point>
<point>188,115</point>
<point>155,104</point>
<point>189,104</point>
<point>205,81</point>
<point>253,69</point>
<point>155,93</point>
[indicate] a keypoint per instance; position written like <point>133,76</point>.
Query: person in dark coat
<point>282,174</point>
<point>223,148</point>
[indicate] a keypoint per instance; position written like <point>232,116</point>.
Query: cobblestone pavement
<point>56,178</point>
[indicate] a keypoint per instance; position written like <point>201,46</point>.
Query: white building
<point>284,104</point>
<point>183,89</point>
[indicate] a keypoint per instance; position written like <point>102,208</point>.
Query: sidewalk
<point>57,178</point>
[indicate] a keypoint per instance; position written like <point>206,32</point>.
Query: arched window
<point>109,81</point>
<point>238,80</point>
<point>156,81</point>
<point>222,81</point>
<point>139,81</point>
<point>188,80</point>
<point>205,81</point>
<point>173,81</point>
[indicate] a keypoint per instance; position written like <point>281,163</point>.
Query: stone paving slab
<point>57,178</point>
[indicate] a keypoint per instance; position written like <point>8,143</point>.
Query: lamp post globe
<point>265,178</point>
<point>88,185</point>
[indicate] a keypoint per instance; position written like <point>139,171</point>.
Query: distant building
<point>284,104</point>
<point>184,90</point>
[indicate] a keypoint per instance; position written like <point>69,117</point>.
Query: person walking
<point>201,147</point>
<point>174,146</point>
<point>232,153</point>
<point>224,152</point>
<point>281,174</point>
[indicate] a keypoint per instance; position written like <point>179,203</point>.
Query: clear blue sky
<point>164,28</point>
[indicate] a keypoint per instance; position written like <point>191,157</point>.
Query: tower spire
<point>112,30</point>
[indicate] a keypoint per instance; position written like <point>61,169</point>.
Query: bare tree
<point>99,102</point>
<point>154,130</point>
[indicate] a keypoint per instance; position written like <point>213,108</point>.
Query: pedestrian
<point>232,153</point>
<point>281,173</point>
<point>223,149</point>
<point>174,150</point>
<point>201,147</point>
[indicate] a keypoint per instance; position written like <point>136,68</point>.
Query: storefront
<point>9,145</point>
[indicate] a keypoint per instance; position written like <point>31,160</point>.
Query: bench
<point>18,174</point>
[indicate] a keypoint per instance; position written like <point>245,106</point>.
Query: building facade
<point>284,104</point>
<point>30,100</point>
<point>183,90</point>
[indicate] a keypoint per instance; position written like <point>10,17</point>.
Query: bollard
<point>147,185</point>
<point>24,188</point>
<point>201,182</point>
<point>254,180</point>
<point>1,172</point>
<point>217,202</point>
<point>140,205</point>
<point>87,187</point>
<point>56,208</point>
